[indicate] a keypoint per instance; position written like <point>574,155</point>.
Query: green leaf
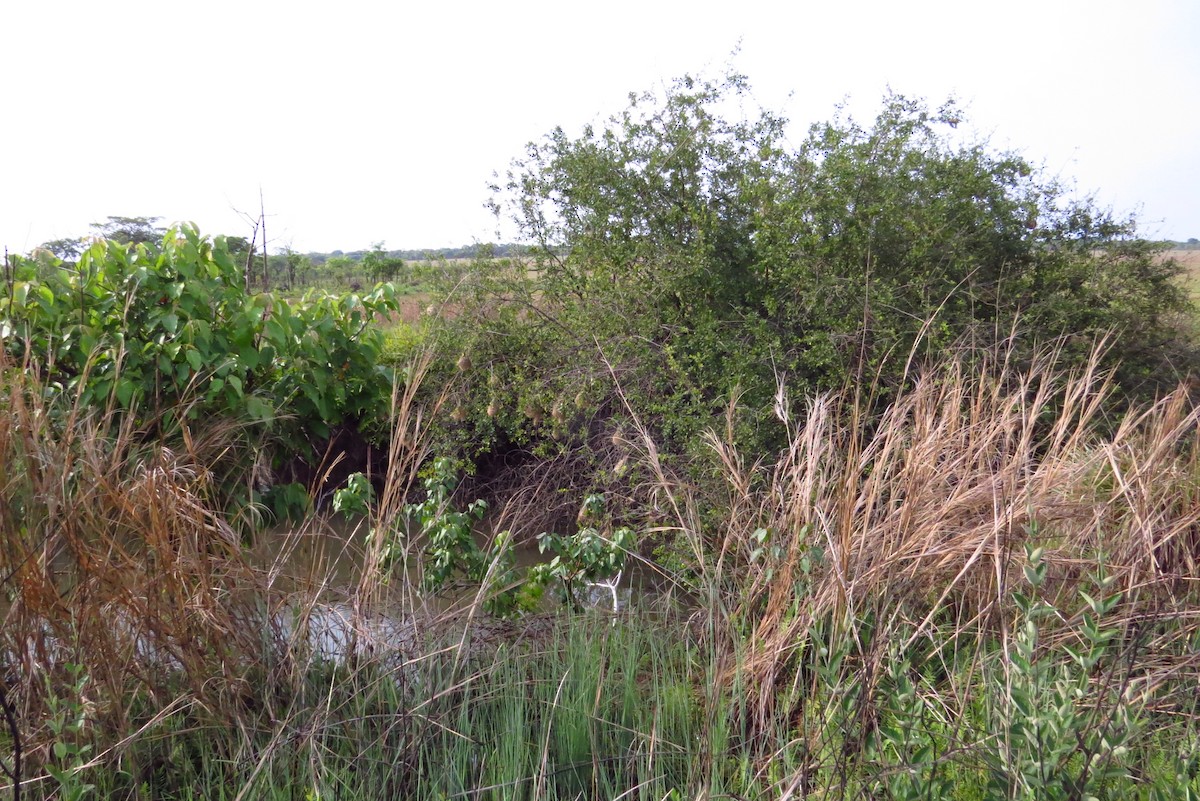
<point>124,390</point>
<point>258,409</point>
<point>249,357</point>
<point>194,359</point>
<point>45,297</point>
<point>275,333</point>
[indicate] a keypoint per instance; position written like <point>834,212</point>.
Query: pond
<point>319,569</point>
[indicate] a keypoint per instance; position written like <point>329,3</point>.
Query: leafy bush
<point>445,537</point>
<point>593,554</point>
<point>170,331</point>
<point>692,257</point>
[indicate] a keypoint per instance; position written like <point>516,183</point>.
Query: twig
<point>262,216</point>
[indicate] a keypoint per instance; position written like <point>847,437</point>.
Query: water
<point>305,591</point>
<point>318,568</point>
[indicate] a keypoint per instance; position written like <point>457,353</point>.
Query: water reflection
<point>320,565</point>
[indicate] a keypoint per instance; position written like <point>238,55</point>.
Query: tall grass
<point>987,592</point>
<point>120,562</point>
<point>904,541</point>
<point>115,555</point>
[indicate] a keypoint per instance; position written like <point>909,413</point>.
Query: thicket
<point>682,255</point>
<point>980,598</point>
<point>168,334</point>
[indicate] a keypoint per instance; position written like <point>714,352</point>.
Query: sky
<point>358,122</point>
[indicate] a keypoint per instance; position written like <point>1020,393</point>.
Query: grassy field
<point>1189,259</point>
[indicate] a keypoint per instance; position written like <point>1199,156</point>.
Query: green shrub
<point>690,257</point>
<point>1064,726</point>
<point>170,332</point>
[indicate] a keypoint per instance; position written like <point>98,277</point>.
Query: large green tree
<point>380,265</point>
<point>700,254</point>
<point>130,230</point>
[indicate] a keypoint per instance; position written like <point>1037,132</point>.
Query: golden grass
<point>115,554</point>
<point>1189,260</point>
<point>923,516</point>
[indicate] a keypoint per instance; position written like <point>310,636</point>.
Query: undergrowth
<point>978,596</point>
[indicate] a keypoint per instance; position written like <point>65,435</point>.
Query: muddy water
<point>312,575</point>
<point>333,552</point>
<point>319,567</point>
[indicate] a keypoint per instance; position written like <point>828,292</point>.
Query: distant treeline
<point>428,254</point>
<point>412,270</point>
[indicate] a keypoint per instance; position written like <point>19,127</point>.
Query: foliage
<point>67,723</point>
<point>449,546</point>
<point>380,266</point>
<point>130,230</point>
<point>445,536</point>
<point>168,332</point>
<point>297,268</point>
<point>594,553</point>
<point>355,497</point>
<point>1064,726</point>
<point>449,549</point>
<point>65,250</point>
<point>692,256</point>
<point>910,743</point>
<point>901,660</point>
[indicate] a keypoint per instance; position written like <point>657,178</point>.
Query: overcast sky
<point>367,121</point>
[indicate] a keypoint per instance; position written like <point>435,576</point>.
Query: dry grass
<point>905,529</point>
<point>1189,260</point>
<point>116,556</point>
<point>923,516</point>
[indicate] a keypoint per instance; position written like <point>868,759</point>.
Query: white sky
<point>365,121</point>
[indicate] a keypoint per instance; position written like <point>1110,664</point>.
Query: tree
<point>380,265</point>
<point>296,264</point>
<point>340,268</point>
<point>240,249</point>
<point>66,250</point>
<point>706,257</point>
<point>130,230</point>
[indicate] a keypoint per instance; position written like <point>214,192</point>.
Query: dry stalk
<point>916,516</point>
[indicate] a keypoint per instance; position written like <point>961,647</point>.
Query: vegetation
<point>875,444</point>
<point>685,257</point>
<point>168,335</point>
<point>855,604</point>
<point>413,272</point>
